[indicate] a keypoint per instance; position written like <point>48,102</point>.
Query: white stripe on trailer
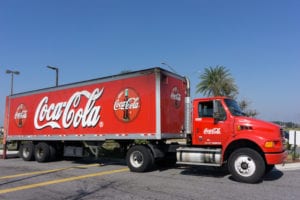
<point>157,104</point>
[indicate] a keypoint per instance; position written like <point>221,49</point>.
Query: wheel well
<point>157,148</point>
<point>241,144</point>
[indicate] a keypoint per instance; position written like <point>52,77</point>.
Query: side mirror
<point>216,112</point>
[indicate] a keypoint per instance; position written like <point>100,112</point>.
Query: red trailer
<point>126,106</point>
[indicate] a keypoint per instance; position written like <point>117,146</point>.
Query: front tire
<point>139,159</point>
<point>246,165</point>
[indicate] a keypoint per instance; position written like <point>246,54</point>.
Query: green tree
<point>217,81</point>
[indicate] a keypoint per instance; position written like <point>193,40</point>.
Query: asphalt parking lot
<point>111,179</point>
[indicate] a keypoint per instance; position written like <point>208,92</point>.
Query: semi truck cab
<point>223,135</point>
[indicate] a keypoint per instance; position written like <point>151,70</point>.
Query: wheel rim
<point>136,159</point>
<point>40,153</point>
<point>26,152</point>
<point>245,166</point>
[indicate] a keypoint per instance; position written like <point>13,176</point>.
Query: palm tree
<point>217,81</point>
<point>244,105</point>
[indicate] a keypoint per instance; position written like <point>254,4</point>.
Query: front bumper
<point>276,158</point>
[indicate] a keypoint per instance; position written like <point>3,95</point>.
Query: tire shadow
<point>216,172</point>
<point>273,175</point>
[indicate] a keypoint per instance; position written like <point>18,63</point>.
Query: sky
<point>258,41</point>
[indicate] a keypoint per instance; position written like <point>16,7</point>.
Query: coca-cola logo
<point>21,115</point>
<point>176,97</point>
<point>127,105</point>
<point>213,131</point>
<point>71,112</point>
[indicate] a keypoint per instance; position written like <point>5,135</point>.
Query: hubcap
<point>40,152</point>
<point>26,152</point>
<point>245,166</point>
<point>136,159</point>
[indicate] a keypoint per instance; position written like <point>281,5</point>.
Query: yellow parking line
<point>41,184</point>
<point>47,171</point>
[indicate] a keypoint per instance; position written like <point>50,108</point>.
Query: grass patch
<point>111,149</point>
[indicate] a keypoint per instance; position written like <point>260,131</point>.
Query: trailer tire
<point>26,151</point>
<point>139,159</point>
<point>246,165</point>
<point>42,152</point>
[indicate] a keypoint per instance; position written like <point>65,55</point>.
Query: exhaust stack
<point>187,110</point>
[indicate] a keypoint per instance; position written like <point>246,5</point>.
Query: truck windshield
<point>234,107</point>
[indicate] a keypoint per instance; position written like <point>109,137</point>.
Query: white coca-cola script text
<point>70,112</point>
<point>212,131</point>
<point>131,103</point>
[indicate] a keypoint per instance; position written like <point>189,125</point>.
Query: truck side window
<point>222,111</point>
<point>205,109</point>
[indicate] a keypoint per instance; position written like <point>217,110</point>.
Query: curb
<point>288,166</point>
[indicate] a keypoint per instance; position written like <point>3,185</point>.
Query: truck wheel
<point>42,152</point>
<point>246,165</point>
<point>139,159</point>
<point>26,151</point>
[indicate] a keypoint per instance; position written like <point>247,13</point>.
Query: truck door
<point>207,129</point>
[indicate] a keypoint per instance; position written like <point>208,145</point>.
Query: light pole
<point>56,71</point>
<point>170,67</point>
<point>12,79</point>
<point>11,93</point>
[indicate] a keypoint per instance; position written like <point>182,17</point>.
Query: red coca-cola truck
<point>152,106</point>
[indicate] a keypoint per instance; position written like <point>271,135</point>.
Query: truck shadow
<point>101,161</point>
<point>223,172</point>
<point>204,171</point>
<point>273,175</point>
